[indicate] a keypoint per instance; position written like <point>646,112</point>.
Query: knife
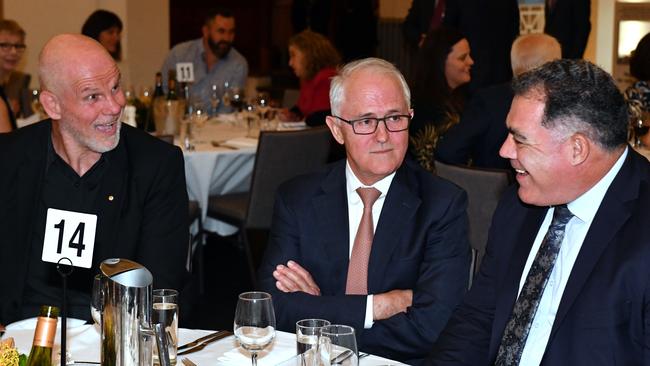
<point>198,341</point>
<point>202,344</point>
<point>341,357</point>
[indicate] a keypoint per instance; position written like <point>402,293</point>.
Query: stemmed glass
<point>640,129</point>
<point>198,119</point>
<point>263,105</point>
<point>214,101</point>
<point>254,323</point>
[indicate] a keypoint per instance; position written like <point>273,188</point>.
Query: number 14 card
<point>69,234</point>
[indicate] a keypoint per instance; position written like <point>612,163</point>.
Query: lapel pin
<point>111,198</point>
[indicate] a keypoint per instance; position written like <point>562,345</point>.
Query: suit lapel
<point>508,291</point>
<point>399,207</point>
<point>612,214</point>
<point>111,200</point>
<point>331,209</point>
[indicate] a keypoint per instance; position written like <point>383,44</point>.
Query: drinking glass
<point>165,312</point>
<point>254,323</point>
<point>337,345</point>
<point>198,119</point>
<point>214,101</point>
<point>96,300</point>
<point>307,333</point>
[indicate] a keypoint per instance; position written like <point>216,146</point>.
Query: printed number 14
<point>79,232</point>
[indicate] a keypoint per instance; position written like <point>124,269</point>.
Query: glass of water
<point>337,345</point>
<point>254,323</point>
<point>165,312</point>
<point>307,333</point>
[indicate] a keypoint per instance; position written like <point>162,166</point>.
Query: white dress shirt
<point>584,209</point>
<point>355,211</point>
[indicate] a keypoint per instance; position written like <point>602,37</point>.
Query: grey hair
<point>377,65</point>
<point>533,50</point>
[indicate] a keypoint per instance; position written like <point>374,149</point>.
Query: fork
<point>186,361</point>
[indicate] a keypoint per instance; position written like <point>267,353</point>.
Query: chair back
<point>484,188</point>
<point>282,155</point>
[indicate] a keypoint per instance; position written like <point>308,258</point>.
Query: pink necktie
<point>357,283</point>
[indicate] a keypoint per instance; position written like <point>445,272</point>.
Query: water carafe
<point>126,303</point>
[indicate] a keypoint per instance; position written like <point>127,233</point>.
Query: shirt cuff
<point>367,324</point>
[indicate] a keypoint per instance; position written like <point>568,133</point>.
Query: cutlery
<point>202,345</point>
<point>221,144</point>
<point>187,362</point>
<point>341,357</point>
<point>198,341</point>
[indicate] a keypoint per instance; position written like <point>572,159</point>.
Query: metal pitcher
<point>126,305</point>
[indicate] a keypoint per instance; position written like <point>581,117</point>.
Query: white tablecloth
<point>213,170</point>
<point>84,345</point>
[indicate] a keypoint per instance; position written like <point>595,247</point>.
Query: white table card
<point>185,72</point>
<point>69,234</point>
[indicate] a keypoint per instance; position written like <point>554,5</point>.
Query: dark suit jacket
<point>481,131</point>
<point>420,243</point>
<point>490,27</point>
<point>604,314</point>
<point>418,21</point>
<point>568,21</point>
<point>146,222</point>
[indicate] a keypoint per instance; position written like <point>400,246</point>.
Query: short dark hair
<point>99,21</point>
<point>579,97</point>
<point>213,12</point>
<point>640,59</point>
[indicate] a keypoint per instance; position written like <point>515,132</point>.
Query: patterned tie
<point>523,313</point>
<point>357,283</point>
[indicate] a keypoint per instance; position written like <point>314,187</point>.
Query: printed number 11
<point>79,245</point>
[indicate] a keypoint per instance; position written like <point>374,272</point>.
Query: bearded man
<point>82,162</point>
<point>214,62</point>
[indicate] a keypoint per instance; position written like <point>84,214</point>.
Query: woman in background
<point>106,28</point>
<point>638,94</point>
<point>12,47</point>
<point>313,59</point>
<point>442,69</point>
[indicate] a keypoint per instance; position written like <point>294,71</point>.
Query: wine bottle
<point>158,91</point>
<point>171,86</point>
<point>41,353</point>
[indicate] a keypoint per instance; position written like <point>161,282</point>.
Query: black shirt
<point>63,189</point>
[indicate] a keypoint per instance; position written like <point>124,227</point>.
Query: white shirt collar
<point>352,183</point>
<point>586,206</point>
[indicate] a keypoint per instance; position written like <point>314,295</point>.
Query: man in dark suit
<point>482,127</point>
<point>490,27</point>
<point>565,277</point>
<point>83,160</point>
<point>398,288</point>
<point>568,21</point>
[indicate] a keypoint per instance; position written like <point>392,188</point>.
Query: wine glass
<point>263,104</point>
<point>214,101</point>
<point>337,345</point>
<point>640,129</point>
<point>254,323</point>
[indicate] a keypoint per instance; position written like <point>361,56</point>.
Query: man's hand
<point>293,278</point>
<point>390,303</point>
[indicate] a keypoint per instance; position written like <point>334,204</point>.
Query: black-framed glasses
<point>368,125</point>
<point>6,46</point>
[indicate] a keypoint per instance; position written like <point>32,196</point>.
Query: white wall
<point>145,38</point>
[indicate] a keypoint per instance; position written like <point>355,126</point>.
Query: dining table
<point>219,159</point>
<point>83,342</point>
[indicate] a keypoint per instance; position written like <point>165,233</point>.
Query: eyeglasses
<point>20,47</point>
<point>368,125</point>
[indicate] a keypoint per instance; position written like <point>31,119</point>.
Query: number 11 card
<point>69,234</point>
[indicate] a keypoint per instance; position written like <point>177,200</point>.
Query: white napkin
<point>241,142</point>
<point>282,349</point>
